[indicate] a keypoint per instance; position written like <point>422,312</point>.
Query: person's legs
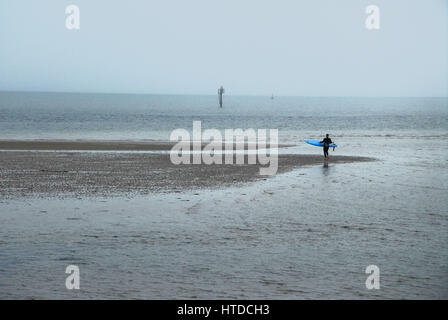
<point>326,152</point>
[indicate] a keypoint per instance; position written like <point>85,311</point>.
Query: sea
<point>309,233</point>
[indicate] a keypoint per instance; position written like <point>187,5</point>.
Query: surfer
<point>326,142</point>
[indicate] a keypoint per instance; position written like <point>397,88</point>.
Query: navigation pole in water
<point>220,93</point>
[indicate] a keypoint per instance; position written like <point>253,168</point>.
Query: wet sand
<point>91,174</point>
<point>94,145</point>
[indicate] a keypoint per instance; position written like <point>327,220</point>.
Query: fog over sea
<point>308,233</point>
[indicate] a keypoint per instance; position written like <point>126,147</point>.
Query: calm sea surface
<point>309,233</point>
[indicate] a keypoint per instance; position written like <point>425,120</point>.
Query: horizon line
<point>209,94</point>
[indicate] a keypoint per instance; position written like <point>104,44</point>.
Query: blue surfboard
<point>318,144</point>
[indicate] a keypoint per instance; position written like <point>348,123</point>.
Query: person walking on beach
<point>326,142</point>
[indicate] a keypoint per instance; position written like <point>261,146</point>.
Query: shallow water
<point>139,117</point>
<point>309,233</point>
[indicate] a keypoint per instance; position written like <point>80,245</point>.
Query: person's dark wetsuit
<point>326,142</point>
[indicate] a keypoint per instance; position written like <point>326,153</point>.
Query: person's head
<point>327,135</point>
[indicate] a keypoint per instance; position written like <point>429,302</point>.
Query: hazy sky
<point>285,47</point>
